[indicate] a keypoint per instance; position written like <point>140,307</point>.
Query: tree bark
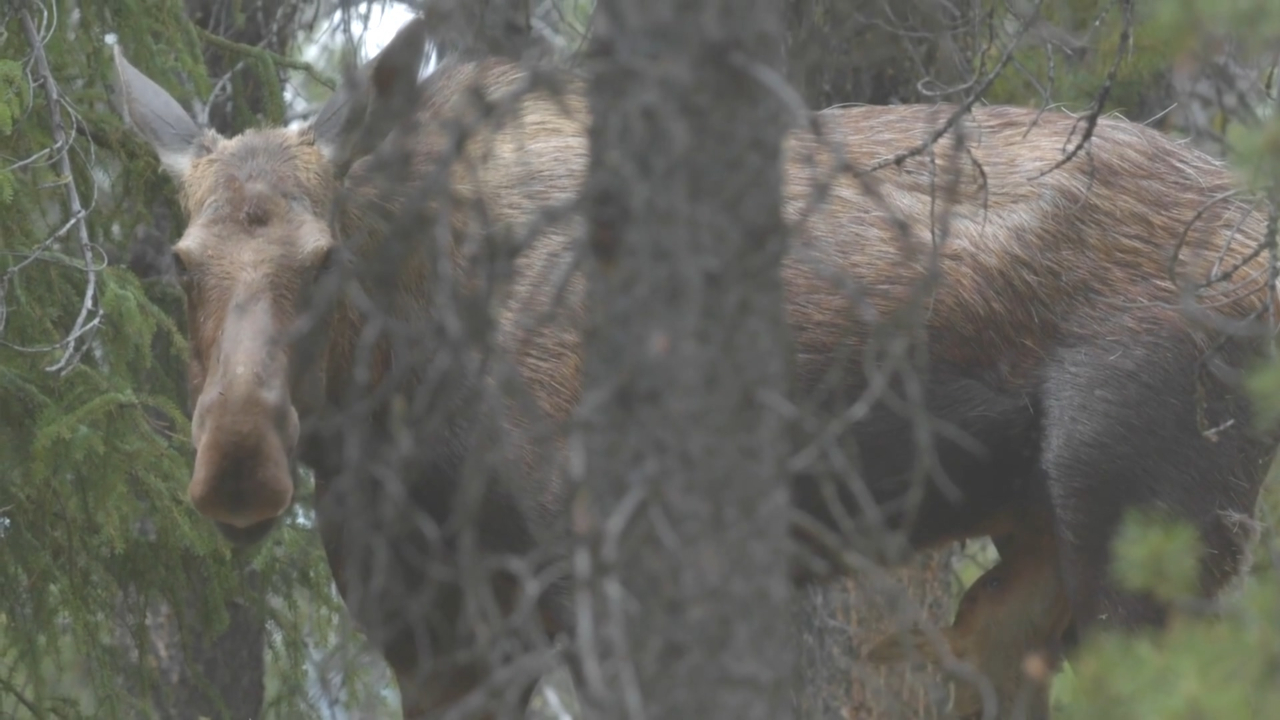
<point>684,502</point>
<point>206,675</point>
<point>836,621</point>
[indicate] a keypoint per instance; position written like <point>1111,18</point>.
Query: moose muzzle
<point>245,429</point>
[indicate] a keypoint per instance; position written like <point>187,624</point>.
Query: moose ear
<point>373,99</point>
<point>159,119</point>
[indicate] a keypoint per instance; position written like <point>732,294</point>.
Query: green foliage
<point>13,87</point>
<point>1037,76</point>
<point>1202,666</point>
<point>1183,21</point>
<point>1264,385</point>
<point>95,527</point>
<point>575,18</point>
<point>1157,556</point>
<point>1255,153</point>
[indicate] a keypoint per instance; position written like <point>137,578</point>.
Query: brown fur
<point>1049,287</point>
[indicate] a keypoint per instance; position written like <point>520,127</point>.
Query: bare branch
<point>90,314</point>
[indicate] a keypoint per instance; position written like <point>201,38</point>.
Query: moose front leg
<point>1009,627</point>
<point>445,672</point>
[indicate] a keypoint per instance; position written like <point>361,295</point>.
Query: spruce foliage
<point>96,533</point>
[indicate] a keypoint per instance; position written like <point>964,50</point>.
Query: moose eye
<point>992,583</point>
<point>327,263</point>
<point>180,267</point>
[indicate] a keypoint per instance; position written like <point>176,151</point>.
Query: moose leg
<point>436,682</point>
<point>1142,424</point>
<point>1008,626</point>
<point>1025,647</point>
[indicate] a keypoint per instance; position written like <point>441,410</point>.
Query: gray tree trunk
<point>686,508</point>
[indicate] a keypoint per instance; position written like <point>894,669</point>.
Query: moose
<point>1083,345</point>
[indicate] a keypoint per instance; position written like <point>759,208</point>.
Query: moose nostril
<point>242,475</point>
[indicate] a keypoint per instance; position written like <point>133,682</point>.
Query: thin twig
<point>83,325</point>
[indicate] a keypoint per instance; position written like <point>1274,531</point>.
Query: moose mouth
<point>244,537</point>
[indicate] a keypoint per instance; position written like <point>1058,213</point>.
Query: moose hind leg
<point>1142,424</point>
<point>1008,626</point>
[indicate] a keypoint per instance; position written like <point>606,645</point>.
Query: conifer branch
<point>262,53</point>
<point>21,698</point>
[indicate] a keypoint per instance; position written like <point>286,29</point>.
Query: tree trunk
<point>684,502</point>
<point>205,675</point>
<point>836,622</point>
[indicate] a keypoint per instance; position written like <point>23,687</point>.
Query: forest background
<point>118,601</point>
